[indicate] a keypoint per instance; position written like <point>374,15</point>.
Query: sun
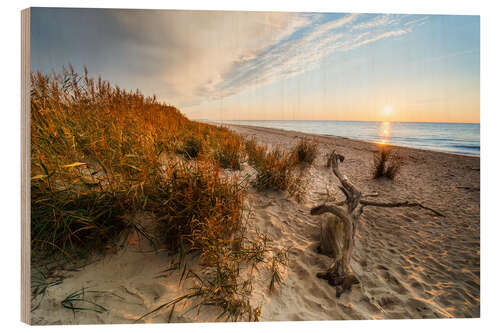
<point>387,110</point>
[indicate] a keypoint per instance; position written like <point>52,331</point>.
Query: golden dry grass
<point>96,156</point>
<point>100,154</point>
<point>306,151</point>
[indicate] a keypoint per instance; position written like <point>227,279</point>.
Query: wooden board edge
<point>25,168</point>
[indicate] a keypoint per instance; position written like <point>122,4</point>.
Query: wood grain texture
<point>25,167</point>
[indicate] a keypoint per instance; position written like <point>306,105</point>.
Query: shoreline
<point>336,137</point>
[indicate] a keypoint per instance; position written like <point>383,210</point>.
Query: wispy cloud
<point>305,51</point>
<point>320,30</point>
<point>211,55</point>
<point>376,21</point>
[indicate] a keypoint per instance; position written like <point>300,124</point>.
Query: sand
<point>410,263</point>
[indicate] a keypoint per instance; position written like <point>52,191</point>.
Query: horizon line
<point>361,121</point>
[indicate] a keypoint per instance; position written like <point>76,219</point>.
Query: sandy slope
<point>411,264</point>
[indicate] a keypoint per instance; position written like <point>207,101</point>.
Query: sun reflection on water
<point>385,132</point>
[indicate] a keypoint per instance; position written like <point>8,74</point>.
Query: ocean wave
<point>473,147</point>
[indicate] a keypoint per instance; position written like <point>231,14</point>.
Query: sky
<point>222,65</point>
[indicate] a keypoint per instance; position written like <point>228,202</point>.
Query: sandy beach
<point>410,263</point>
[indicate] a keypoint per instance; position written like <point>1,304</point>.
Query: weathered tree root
<point>343,229</point>
<point>337,277</point>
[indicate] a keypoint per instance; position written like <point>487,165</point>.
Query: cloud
<point>376,21</point>
<point>200,55</point>
<point>374,38</point>
<point>190,51</point>
<point>322,29</point>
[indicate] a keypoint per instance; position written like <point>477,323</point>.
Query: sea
<point>456,138</point>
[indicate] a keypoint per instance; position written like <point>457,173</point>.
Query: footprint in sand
<point>151,291</point>
<point>389,302</point>
<point>393,281</point>
<point>131,297</point>
<point>420,309</point>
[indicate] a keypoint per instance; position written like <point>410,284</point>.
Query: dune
<point>410,263</point>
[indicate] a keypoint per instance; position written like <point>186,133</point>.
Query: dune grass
<point>386,163</point>
<point>279,259</point>
<point>306,151</point>
<point>276,168</point>
<point>82,300</point>
<point>228,284</point>
<point>96,158</point>
<point>101,154</point>
<point>256,153</point>
<point>193,203</point>
<point>40,283</point>
<point>276,171</point>
<point>190,147</point>
<point>229,152</point>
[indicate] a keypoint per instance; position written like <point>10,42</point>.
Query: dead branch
<point>363,203</point>
<point>352,194</point>
<point>337,234</point>
<point>399,204</point>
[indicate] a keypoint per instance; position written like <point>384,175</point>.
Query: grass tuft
<point>276,172</point>
<point>279,259</point>
<point>386,163</point>
<point>228,152</point>
<point>193,203</point>
<point>191,147</point>
<point>255,152</point>
<point>306,151</point>
<point>82,300</point>
<point>275,169</point>
<point>40,283</point>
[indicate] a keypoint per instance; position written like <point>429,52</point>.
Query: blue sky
<point>251,65</point>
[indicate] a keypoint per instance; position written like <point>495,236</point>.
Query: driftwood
<point>339,229</point>
<point>332,236</point>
